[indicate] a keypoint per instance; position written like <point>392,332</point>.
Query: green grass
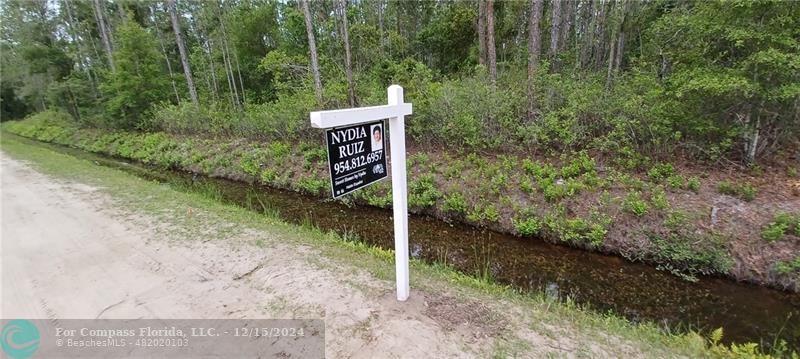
<point>168,204</point>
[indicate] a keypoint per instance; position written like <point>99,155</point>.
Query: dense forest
<point>708,80</point>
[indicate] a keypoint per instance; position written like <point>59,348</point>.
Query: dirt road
<point>67,253</point>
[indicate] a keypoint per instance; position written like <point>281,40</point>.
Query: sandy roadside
<point>66,253</point>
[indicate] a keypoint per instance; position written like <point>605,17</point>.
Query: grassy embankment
<point>690,222</point>
<point>168,204</point>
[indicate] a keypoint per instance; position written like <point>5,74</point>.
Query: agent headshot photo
<point>377,137</point>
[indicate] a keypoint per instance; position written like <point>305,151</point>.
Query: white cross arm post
<point>395,111</point>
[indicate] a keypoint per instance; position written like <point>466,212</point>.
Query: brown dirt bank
<point>671,215</point>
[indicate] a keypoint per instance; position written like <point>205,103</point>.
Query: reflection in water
<point>634,290</point>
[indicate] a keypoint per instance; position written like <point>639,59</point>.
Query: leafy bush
<point>527,227</point>
<point>526,185</point>
<point>744,191</point>
<point>693,184</point>
<point>268,176</point>
<point>252,161</point>
<point>687,255</point>
<point>782,224</point>
<point>312,185</point>
<point>659,199</point>
<point>635,204</point>
<point>422,192</point>
<point>661,171</point>
<point>580,231</point>
<point>579,165</point>
<point>787,267</point>
<point>483,212</point>
<point>279,151</point>
<point>455,203</point>
<point>468,114</point>
<point>676,220</point>
<point>675,181</point>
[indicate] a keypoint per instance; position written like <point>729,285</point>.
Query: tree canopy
<point>708,79</point>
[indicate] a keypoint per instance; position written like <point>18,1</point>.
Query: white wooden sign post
<point>395,111</point>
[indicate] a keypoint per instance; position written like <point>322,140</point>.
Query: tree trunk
<point>589,34</point>
<point>600,33</point>
<point>164,52</point>
<point>617,40</point>
<point>381,9</point>
<point>187,69</point>
<point>101,24</point>
<point>122,15</point>
<point>490,48</point>
<point>610,72</point>
<point>208,48</point>
<point>226,57</point>
<point>241,93</point>
<point>482,32</point>
<point>348,65</point>
<point>754,138</point>
<point>555,29</point>
<point>312,49</point>
<point>621,37</point>
<point>567,20</point>
<point>83,63</point>
<point>534,51</point>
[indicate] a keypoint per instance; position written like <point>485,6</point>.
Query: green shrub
<point>312,185</point>
<point>314,154</point>
<point>792,172</point>
<point>676,182</point>
<point>782,224</point>
<point>688,255</point>
<point>278,150</point>
<point>693,184</point>
<point>580,231</point>
<point>526,185</point>
<point>579,165</point>
<point>491,214</point>
<point>635,204</point>
<point>252,161</point>
<point>268,176</point>
<point>659,199</point>
<point>455,203</point>
<point>498,182</point>
<point>788,267</point>
<point>527,227</point>
<point>744,191</point>
<point>422,192</point>
<point>483,212</point>
<point>676,220</point>
<point>538,170</point>
<point>661,171</point>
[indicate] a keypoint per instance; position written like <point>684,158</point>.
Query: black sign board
<point>356,156</point>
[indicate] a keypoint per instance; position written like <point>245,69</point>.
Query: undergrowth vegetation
<point>648,337</point>
<point>571,199</point>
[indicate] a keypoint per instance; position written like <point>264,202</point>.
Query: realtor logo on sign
<point>356,156</point>
<point>356,143</point>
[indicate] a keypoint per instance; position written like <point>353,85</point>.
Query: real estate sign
<point>356,156</point>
